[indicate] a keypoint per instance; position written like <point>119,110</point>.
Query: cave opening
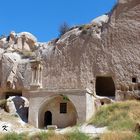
<point>105,86</point>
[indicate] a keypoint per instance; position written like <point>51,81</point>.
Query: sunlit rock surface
<point>108,46</point>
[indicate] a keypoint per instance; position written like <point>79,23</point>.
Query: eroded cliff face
<point>108,47</point>
<point>15,52</point>
<point>122,40</point>
<point>111,49</point>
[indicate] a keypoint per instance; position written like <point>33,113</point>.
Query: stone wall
<point>90,106</point>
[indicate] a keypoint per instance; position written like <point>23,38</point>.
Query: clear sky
<point>43,17</point>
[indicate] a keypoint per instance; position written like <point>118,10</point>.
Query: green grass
<point>77,136</point>
<point>118,135</point>
<point>13,136</point>
<point>118,116</point>
<point>51,135</point>
<point>137,137</point>
<point>40,136</point>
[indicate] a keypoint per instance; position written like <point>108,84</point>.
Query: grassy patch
<point>77,136</point>
<point>27,54</point>
<point>118,116</point>
<point>13,136</point>
<point>40,136</point>
<point>118,135</point>
<point>46,136</point>
<point>53,136</point>
<point>137,137</point>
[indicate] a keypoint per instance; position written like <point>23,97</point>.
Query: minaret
<point>36,80</point>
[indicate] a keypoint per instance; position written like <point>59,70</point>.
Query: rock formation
<point>18,105</point>
<point>107,47</point>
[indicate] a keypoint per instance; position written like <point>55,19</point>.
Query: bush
<point>84,31</point>
<point>85,27</point>
<point>88,26</point>
<point>63,29</point>
<point>40,136</point>
<point>81,27</point>
<point>77,136</point>
<point>28,54</point>
<point>3,104</point>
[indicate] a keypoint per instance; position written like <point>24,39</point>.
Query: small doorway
<point>47,118</point>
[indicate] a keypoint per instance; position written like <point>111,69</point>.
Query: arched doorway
<point>47,118</point>
<point>105,86</point>
<point>60,111</point>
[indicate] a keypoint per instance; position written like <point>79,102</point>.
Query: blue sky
<point>43,17</point>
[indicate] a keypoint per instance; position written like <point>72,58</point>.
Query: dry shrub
<point>118,135</point>
<point>3,104</point>
<point>57,137</point>
<point>88,26</point>
<point>63,29</point>
<point>40,136</point>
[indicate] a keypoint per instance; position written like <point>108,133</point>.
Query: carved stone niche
<point>36,80</point>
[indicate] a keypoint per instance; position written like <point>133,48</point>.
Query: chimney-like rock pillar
<point>36,80</point>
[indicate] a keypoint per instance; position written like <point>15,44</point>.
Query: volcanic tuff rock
<point>81,55</point>
<point>109,45</point>
<point>18,105</point>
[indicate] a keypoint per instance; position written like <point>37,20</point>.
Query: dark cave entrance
<point>105,86</point>
<point>47,118</point>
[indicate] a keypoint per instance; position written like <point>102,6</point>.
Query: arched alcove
<point>63,112</point>
<point>105,86</point>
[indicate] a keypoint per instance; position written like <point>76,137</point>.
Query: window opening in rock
<point>134,80</point>
<point>63,107</point>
